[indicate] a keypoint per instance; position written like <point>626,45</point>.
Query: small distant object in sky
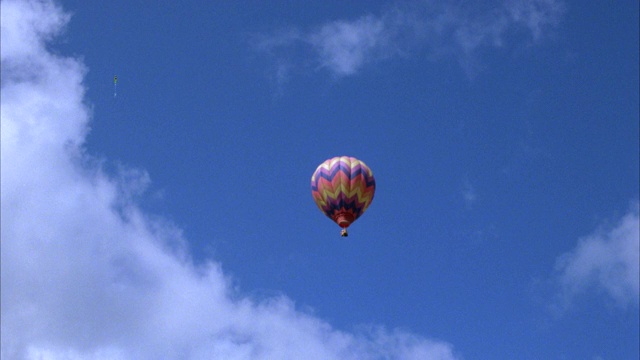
<point>343,189</point>
<point>115,85</point>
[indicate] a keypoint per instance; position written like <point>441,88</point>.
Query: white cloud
<point>469,195</point>
<point>535,16</point>
<point>87,275</point>
<point>444,28</point>
<point>344,46</point>
<point>607,261</point>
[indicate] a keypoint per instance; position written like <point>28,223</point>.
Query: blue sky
<point>503,138</point>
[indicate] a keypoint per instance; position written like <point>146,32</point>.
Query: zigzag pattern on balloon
<point>353,204</point>
<point>342,194</point>
<point>327,195</point>
<point>351,170</point>
<point>331,172</point>
<point>343,185</point>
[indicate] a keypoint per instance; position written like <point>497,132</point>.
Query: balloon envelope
<point>343,189</point>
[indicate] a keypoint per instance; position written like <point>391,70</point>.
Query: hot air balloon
<point>343,188</point>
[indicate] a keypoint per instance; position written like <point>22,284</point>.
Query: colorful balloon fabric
<point>343,189</point>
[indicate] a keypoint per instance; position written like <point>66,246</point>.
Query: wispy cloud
<point>469,195</point>
<point>343,47</point>
<point>606,261</point>
<point>535,16</point>
<point>86,274</point>
<point>447,29</point>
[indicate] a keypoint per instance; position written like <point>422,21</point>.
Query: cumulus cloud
<point>86,274</point>
<point>606,261</point>
<point>449,29</point>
